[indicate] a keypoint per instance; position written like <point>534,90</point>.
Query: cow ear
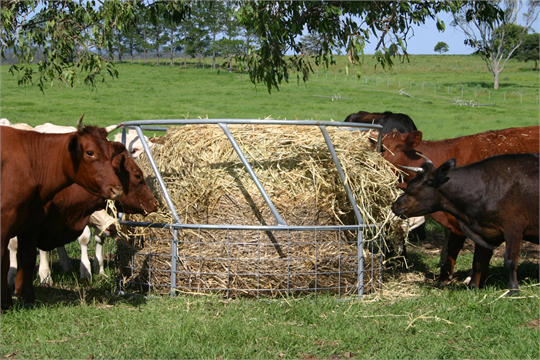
<point>118,147</point>
<point>413,140</point>
<point>441,174</point>
<point>74,146</point>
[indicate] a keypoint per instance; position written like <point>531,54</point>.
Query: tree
<point>82,26</point>
<point>70,34</point>
<point>529,49</point>
<point>497,37</point>
<point>441,47</point>
<point>280,24</point>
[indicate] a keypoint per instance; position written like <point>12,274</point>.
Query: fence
<point>300,254</point>
<point>454,91</point>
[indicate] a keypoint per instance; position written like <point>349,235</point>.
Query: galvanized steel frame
<point>158,125</point>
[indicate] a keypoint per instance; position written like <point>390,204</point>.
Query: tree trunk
<point>496,80</point>
<point>214,50</point>
<point>185,47</point>
<point>119,49</point>
<point>172,49</point>
<point>144,48</point>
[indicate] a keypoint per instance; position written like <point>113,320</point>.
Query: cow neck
<point>438,151</point>
<point>50,165</point>
<point>456,196</point>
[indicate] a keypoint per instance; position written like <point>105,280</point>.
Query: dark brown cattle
<point>495,200</point>
<point>388,120</point>
<point>34,168</point>
<point>402,149</point>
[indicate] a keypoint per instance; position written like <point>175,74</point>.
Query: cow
<point>133,143</point>
<point>34,168</point>
<point>405,149</point>
<point>494,200</point>
<point>69,212</point>
<point>388,120</point>
<point>49,128</point>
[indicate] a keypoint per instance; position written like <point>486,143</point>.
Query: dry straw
<point>208,184</point>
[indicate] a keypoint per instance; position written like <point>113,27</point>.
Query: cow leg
<point>98,261</point>
<point>5,294</point>
<point>480,271</point>
<point>44,270</point>
<point>12,273</point>
<point>511,259</point>
<point>63,259</point>
<point>26,257</point>
<point>453,245</point>
<point>85,267</point>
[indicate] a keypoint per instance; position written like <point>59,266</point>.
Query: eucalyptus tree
<point>70,34</point>
<point>346,24</point>
<point>529,49</point>
<point>496,37</point>
<point>67,27</point>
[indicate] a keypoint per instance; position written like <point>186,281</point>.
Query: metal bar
<point>360,264</point>
<point>174,254</point>
<point>249,169</point>
<point>158,175</point>
<point>350,195</point>
<point>246,121</point>
<point>246,227</point>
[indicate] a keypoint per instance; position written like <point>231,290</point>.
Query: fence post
<point>521,99</point>
<point>327,76</point>
<point>435,88</point>
<point>335,77</point>
<point>505,96</point>
<point>475,93</point>
<point>448,92</point>
<point>462,91</point>
<point>489,94</point>
<point>386,82</point>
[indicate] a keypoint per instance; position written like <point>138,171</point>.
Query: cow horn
<point>417,170</point>
<point>113,127</point>
<point>424,157</point>
<point>80,125</point>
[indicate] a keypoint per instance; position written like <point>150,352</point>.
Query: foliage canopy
<point>70,34</point>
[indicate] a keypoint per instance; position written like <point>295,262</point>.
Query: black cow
<point>388,120</point>
<point>494,200</point>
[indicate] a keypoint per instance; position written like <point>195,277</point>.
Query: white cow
<point>133,143</point>
<point>49,128</point>
<point>20,126</point>
<point>100,221</point>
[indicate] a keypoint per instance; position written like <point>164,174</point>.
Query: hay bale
<point>209,185</point>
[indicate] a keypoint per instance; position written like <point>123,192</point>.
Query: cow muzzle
<point>115,192</point>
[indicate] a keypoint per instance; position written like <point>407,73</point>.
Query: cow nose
<point>116,192</point>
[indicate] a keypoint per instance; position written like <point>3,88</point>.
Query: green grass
<point>164,92</point>
<point>412,317</point>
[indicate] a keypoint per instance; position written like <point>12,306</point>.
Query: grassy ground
<point>412,317</point>
<point>164,92</point>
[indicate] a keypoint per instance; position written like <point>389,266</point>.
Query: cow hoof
<point>29,305</point>
<point>513,292</point>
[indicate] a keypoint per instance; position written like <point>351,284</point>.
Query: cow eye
<point>138,177</point>
<point>89,153</point>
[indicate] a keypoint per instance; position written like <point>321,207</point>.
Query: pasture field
<point>413,316</point>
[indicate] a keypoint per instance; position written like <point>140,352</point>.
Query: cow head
<point>90,161</point>
<point>422,195</point>
<point>137,197</point>
<point>401,149</point>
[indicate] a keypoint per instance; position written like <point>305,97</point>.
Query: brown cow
<point>34,168</point>
<point>68,213</point>
<point>402,149</point>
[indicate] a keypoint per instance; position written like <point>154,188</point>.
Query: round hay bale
<point>208,184</point>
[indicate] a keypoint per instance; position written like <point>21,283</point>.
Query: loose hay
<point>209,185</point>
